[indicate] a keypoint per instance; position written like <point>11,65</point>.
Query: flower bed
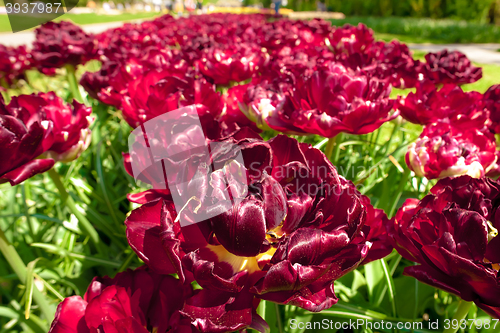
<point>232,172</point>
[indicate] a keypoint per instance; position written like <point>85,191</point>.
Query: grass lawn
<point>87,18</point>
<point>425,30</point>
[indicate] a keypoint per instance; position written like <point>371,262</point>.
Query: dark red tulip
<point>70,123</point>
<point>445,150</point>
<point>290,63</point>
<point>40,126</point>
<point>233,119</point>
<point>429,104</point>
<point>453,235</point>
<point>392,61</point>
<point>255,244</point>
<point>334,101</point>
<point>348,40</point>
<point>263,102</point>
<point>375,231</point>
<point>137,301</point>
<point>491,101</point>
<point>14,61</point>
<point>61,43</point>
<point>130,40</point>
<point>450,67</point>
<point>232,63</point>
<point>156,93</point>
<point>110,82</point>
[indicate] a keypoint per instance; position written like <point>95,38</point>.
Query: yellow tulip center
<point>238,263</point>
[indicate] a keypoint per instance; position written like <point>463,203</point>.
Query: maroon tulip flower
<point>138,301</point>
<point>348,40</point>
<point>156,93</point>
<point>334,101</point>
<point>40,126</point>
<point>430,104</point>
<point>110,82</point>
<point>233,63</point>
<point>328,103</point>
<point>263,101</point>
<point>375,231</point>
<point>61,43</point>
<point>491,101</point>
<point>494,170</point>
<point>296,228</point>
<point>130,40</point>
<point>453,235</point>
<point>182,133</point>
<point>289,63</point>
<point>233,119</point>
<point>392,61</point>
<point>450,67</point>
<point>14,61</point>
<point>445,150</point>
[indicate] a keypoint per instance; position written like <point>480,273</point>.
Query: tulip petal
<point>242,229</point>
<point>27,170</point>
<point>144,234</point>
<point>216,311</point>
<point>70,316</point>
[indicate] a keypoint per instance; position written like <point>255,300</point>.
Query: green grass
<point>87,18</point>
<point>420,30</point>
<point>403,38</point>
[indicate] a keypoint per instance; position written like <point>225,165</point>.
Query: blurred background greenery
<point>484,11</point>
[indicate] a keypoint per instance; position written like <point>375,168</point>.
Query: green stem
<point>332,149</point>
<point>415,307</point>
<point>31,228</point>
<point>399,191</point>
<point>73,83</point>
<point>461,313</point>
<point>83,221</point>
<point>336,149</point>
<point>6,97</point>
<point>394,265</point>
<point>329,147</point>
<point>18,266</point>
<point>127,261</point>
<point>4,83</point>
<point>367,314</point>
<point>390,286</point>
<point>394,130</point>
<point>261,309</point>
<point>278,318</point>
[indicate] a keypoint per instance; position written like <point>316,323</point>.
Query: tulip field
<point>245,173</point>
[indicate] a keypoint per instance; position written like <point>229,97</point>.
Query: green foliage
<point>46,234</point>
<point>419,30</point>
<point>473,10</point>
